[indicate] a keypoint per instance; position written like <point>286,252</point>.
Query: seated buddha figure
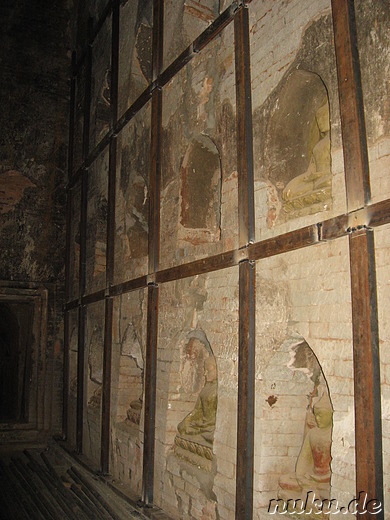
<point>196,431</point>
<point>312,470</point>
<point>313,185</point>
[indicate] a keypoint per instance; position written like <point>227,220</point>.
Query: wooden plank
<point>150,396</point>
<point>246,208</point>
<point>246,392</point>
<point>368,428</point>
<point>106,388</point>
<point>351,105</point>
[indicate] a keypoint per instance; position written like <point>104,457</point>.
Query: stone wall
<point>34,112</point>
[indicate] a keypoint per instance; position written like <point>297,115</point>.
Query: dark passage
<point>15,360</point>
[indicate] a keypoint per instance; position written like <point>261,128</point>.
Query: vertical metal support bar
<point>106,391</point>
<point>82,312</point>
<point>155,169</point>
<point>65,385</point>
<point>114,63</point>
<point>150,396</point>
<point>87,97</point>
<point>353,129</point>
<point>155,183</point>
<point>80,379</point>
<point>246,209</point>
<point>83,233</point>
<point>368,425</point>
<point>158,35</point>
<point>368,428</point>
<point>246,391</point>
<point>153,261</point>
<point>110,250</point>
<point>110,245</point>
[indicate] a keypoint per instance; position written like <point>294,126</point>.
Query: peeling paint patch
<point>12,187</point>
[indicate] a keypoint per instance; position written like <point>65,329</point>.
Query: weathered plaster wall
<point>33,146</point>
<point>303,296</point>
<point>127,389</point>
<point>201,307</point>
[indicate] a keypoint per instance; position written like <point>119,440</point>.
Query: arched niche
<point>200,192</point>
<point>297,158</point>
<point>185,438</point>
<point>294,395</point>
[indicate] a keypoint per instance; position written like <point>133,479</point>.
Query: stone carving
<point>132,347</point>
<point>133,413</point>
<point>194,442</point>
<point>295,156</point>
<point>312,471</point>
<point>315,184</point>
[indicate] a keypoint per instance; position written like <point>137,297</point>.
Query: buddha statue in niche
<point>315,184</point>
<point>194,441</point>
<point>312,470</point>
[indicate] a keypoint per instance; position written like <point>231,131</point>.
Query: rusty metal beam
<point>351,105</point>
<point>150,396</point>
<point>158,37</point>
<point>65,387</point>
<point>246,208</point>
<point>375,215</point>
<point>80,380</point>
<point>155,183</point>
<point>110,247</point>
<point>106,389</point>
<point>215,28</point>
<point>87,97</point>
<point>114,63</point>
<point>246,392</point>
<point>368,427</point>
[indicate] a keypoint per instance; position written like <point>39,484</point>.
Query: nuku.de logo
<point>312,505</point>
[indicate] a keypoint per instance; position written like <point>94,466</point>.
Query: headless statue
<point>312,471</point>
<point>315,183</point>
<point>199,424</point>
